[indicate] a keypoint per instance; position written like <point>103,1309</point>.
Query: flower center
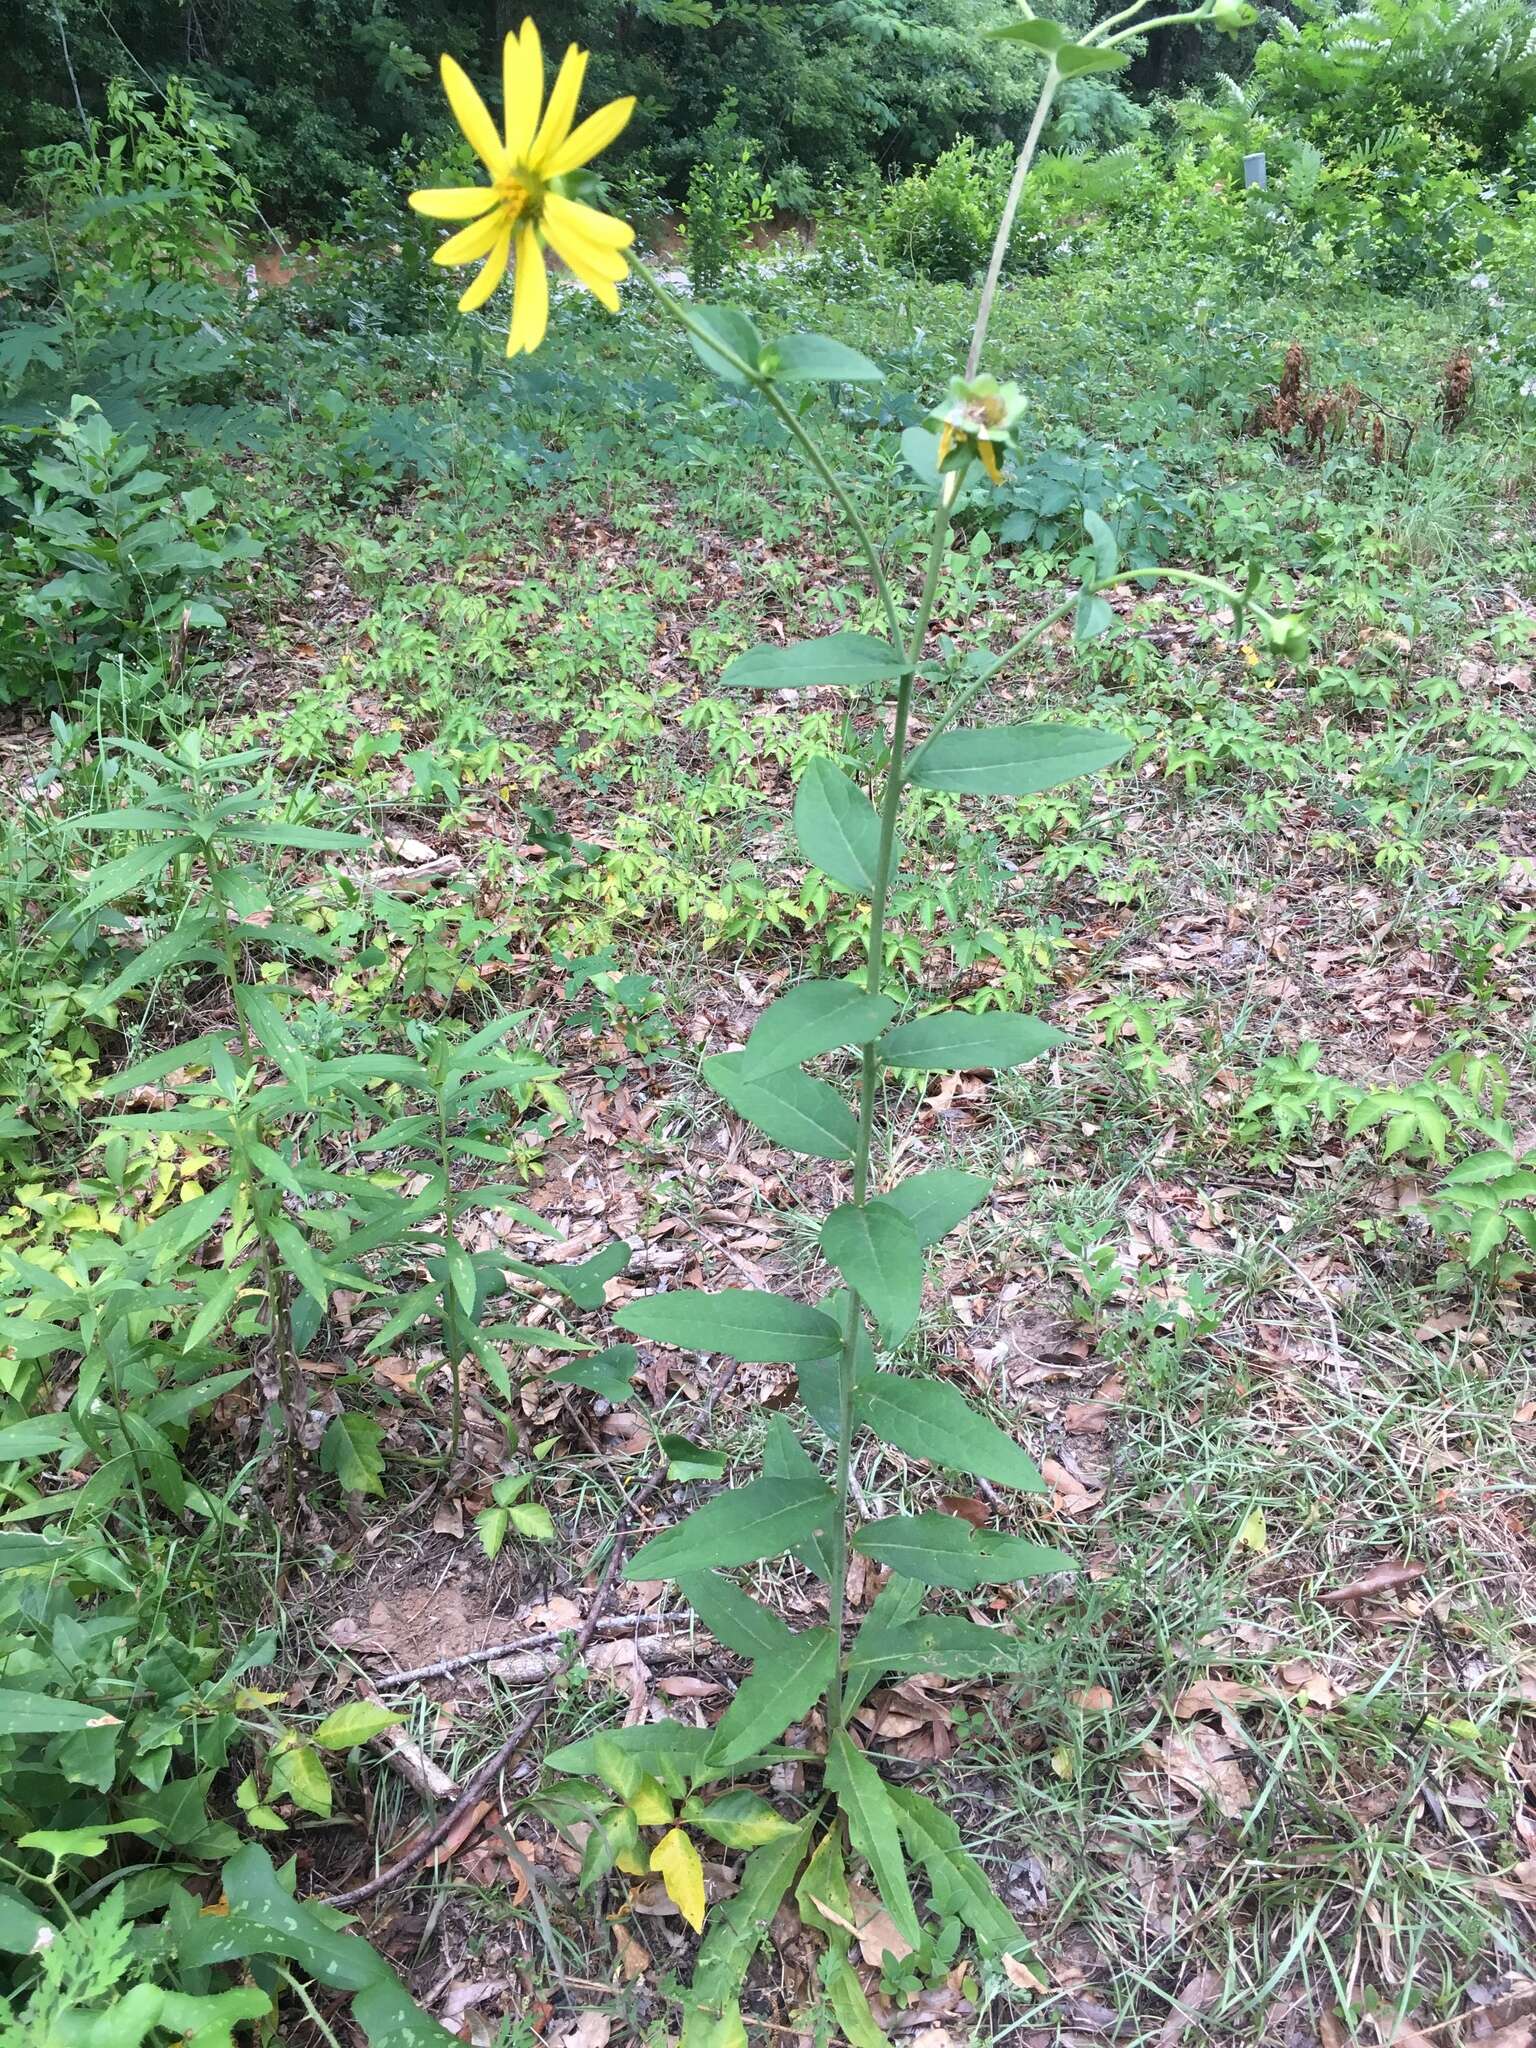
<point>982,413</point>
<point>520,192</point>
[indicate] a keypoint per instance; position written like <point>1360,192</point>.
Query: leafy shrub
<point>727,198</point>
<point>939,223</point>
<point>103,565</point>
<point>1045,497</point>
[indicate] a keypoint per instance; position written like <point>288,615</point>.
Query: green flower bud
<point>1287,637</point>
<point>1229,17</point>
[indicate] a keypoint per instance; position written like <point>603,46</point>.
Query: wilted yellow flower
<point>978,418</point>
<point>526,204</point>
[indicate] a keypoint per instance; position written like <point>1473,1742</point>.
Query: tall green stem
<point>1004,233</point>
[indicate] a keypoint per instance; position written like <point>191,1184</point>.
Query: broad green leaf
<point>944,1644</point>
<point>875,1249</point>
<point>866,1805</point>
<point>933,1203</point>
<point>837,827</point>
<point>298,1774</point>
<point>780,1689</point>
<point>265,1920</point>
<point>607,1373</point>
<point>23,1930</point>
<point>350,1452</point>
<point>358,1721</point>
<point>738,1820</point>
<point>785,1457</point>
<point>817,358</point>
<point>816,1017</point>
<point>1094,615</point>
<point>898,1602</point>
<point>734,1617</point>
<point>1106,549</point>
<point>944,1550</point>
<point>840,661</point>
<point>762,1519</point>
<point>676,1862</point>
<point>687,1460</point>
<point>937,1846</point>
<point>391,2018</point>
<point>1076,60</point>
<point>658,1746</point>
<point>84,1842</point>
<point>731,335</point>
<point>955,1040</point>
<point>40,1713</point>
<point>1045,36</point>
<point>794,1109</point>
<point>933,1420</point>
<point>738,1322</point>
<point>1015,760</point>
<point>584,1284</point>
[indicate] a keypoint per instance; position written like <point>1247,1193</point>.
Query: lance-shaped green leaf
<point>816,1017</point>
<point>739,1322</point>
<point>742,1819</point>
<point>762,1519</point>
<point>1076,60</point>
<point>851,2008</point>
<point>839,661</point>
<point>1106,549</point>
<point>607,1373</point>
<point>898,1602</point>
<point>660,1747</point>
<point>778,1691</point>
<point>953,1041</point>
<point>734,1617</point>
<point>815,359</point>
<point>1014,760</point>
<point>785,1457</point>
<point>735,1931</point>
<point>935,1844</point>
<point>836,826</point>
<point>872,1824</point>
<point>794,1109</point>
<point>933,1203</point>
<point>931,1419</point>
<point>875,1249</point>
<point>940,1643</point>
<point>944,1550</point>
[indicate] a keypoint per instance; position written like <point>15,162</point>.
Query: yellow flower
<point>526,204</point>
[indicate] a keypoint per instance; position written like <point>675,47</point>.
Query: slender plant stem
<point>1004,233</point>
<point>806,443</point>
<point>869,1073</point>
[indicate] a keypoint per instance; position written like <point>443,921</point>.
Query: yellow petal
<point>530,298</point>
<point>676,1862</point>
<point>469,110</point>
<point>454,202</point>
<point>492,271</point>
<point>580,259</point>
<point>595,133</point>
<point>522,84</point>
<point>561,111</point>
<point>604,229</point>
<point>473,242</point>
<point>988,455</point>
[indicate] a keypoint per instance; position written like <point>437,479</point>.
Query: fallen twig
<point>536,1639</point>
<point>479,1781</point>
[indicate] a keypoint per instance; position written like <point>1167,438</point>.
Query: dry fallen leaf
<point>875,1931</point>
<point>1019,1973</point>
<point>1193,1997</point>
<point>1381,1579</point>
<point>1200,1759</point>
<point>587,2030</point>
<point>1072,1496</point>
<point>1222,1697</point>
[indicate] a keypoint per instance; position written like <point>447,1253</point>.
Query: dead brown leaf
<point>1377,1583</point>
<point>1193,1997</point>
<point>1200,1759</point>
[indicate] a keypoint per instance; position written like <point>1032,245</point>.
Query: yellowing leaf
<point>650,1805</point>
<point>1061,1762</point>
<point>1254,1535</point>
<point>676,1862</point>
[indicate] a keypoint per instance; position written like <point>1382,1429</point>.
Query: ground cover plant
<point>433,777</point>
